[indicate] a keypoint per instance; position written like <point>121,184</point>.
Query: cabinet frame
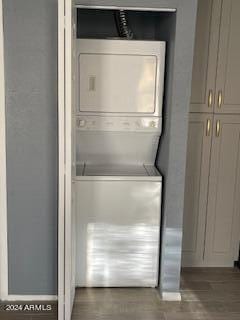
<point>223,112</point>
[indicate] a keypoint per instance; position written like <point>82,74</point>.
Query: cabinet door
<point>228,74</point>
<point>205,55</point>
<point>196,188</point>
<point>223,225</point>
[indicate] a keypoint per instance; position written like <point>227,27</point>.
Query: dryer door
<point>120,77</point>
<point>117,83</point>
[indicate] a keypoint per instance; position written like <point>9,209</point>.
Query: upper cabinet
<point>216,67</point>
<point>228,71</point>
<point>205,56</point>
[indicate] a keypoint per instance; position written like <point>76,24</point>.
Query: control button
<point>153,124</point>
<point>81,123</point>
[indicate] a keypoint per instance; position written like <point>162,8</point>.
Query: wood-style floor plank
<point>207,294</point>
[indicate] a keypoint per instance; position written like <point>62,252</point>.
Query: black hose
<point>122,25</point>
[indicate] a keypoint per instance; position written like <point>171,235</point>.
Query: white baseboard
<point>171,296</point>
<point>207,265</point>
<point>12,297</point>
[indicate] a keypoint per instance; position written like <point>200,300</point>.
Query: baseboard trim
<point>194,264</point>
<point>13,297</point>
<point>171,296</point>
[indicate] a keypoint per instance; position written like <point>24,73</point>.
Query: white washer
<point>118,226</point>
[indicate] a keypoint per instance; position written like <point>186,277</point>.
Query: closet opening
<point>123,67</point>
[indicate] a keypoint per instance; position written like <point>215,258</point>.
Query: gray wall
<point>30,36</point>
<point>172,153</point>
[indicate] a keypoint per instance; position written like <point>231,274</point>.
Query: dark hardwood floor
<point>207,294</point>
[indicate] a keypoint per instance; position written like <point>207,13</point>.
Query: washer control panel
<point>141,124</point>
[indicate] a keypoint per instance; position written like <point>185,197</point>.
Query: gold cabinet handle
<point>210,98</point>
<point>218,128</point>
<point>208,128</point>
<point>220,99</point>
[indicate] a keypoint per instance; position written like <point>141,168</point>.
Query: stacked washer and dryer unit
<point>118,187</point>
